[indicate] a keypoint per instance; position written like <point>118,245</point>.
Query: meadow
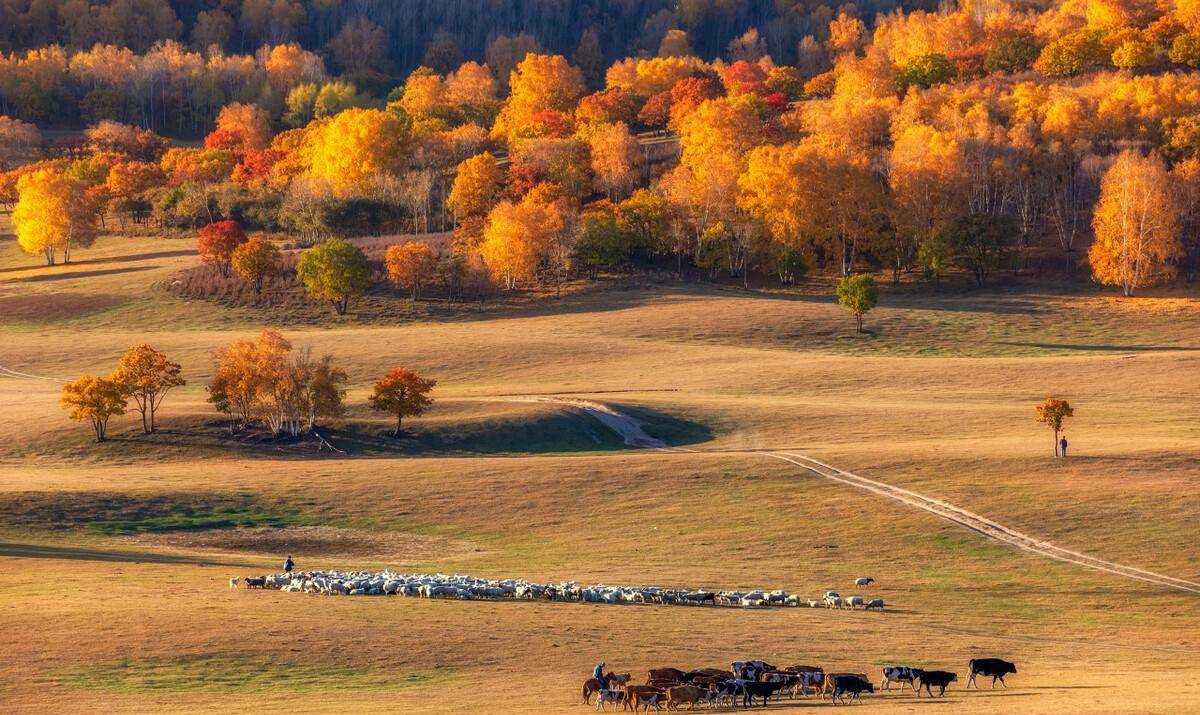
<point>117,555</point>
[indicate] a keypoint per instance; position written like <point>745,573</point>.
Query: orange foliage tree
<point>95,399</point>
<point>410,264</point>
<point>263,380</point>
<point>476,188</point>
<point>1051,413</point>
<point>256,260</point>
<point>616,159</point>
<point>146,375</point>
<point>403,393</point>
<point>520,238</point>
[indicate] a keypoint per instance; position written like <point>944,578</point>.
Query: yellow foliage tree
<point>146,375</point>
<point>616,159</point>
<point>53,214</point>
<point>715,139</point>
<point>539,83</point>
<point>356,147</point>
<point>476,187</point>
<point>95,399</point>
<point>1135,223</point>
<point>522,237</point>
<point>809,195</point>
<point>926,176</point>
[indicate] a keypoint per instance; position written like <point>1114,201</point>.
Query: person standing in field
<point>288,565</point>
<point>1062,446</point>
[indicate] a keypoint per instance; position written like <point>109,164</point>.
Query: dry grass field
<point>116,556</point>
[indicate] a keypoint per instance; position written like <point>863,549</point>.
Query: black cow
<point>994,668</point>
<point>750,691</point>
<point>929,679</point>
<point>899,674</point>
<point>850,685</point>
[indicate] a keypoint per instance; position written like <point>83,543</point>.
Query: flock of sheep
<point>391,583</point>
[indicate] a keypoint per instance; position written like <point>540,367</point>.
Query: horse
<point>593,685</point>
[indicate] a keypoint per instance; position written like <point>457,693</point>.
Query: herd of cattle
<point>747,682</point>
<point>390,583</point>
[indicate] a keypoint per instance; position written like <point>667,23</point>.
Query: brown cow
<point>638,695</point>
<point>673,674</point>
<point>681,694</point>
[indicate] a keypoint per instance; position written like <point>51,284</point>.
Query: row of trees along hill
<point>982,139</point>
<point>260,382</point>
<point>198,48</point>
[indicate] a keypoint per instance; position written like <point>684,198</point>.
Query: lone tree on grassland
<point>335,271</point>
<point>402,393</point>
<point>95,399</point>
<point>858,294</point>
<point>1052,412</point>
<point>146,375</point>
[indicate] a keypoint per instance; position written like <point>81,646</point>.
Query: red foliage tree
<point>255,166</point>
<point>656,111</point>
<point>743,77</point>
<point>218,241</point>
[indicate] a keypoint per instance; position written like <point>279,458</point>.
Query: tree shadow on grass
<point>673,430</point>
<point>1099,347</point>
<point>48,277</point>
<point>75,553</point>
<point>109,259</point>
<point>549,429</point>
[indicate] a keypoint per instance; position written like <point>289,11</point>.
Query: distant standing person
<point>1062,446</point>
<point>288,565</point>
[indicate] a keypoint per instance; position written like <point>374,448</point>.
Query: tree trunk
<point>1056,454</point>
<point>858,319</point>
<point>399,417</point>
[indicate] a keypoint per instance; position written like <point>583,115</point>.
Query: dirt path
<point>628,428</point>
<point>982,525</point>
<point>633,434</point>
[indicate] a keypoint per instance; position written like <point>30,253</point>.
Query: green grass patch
<point>112,514</point>
<point>184,517</point>
<point>229,672</point>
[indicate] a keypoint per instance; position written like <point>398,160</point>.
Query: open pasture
<point>117,556</point>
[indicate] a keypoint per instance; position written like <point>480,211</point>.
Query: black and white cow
<point>899,674</point>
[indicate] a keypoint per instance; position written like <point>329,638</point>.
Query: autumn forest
<point>723,141</point>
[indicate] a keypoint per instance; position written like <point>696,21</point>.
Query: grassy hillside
<point>118,555</point>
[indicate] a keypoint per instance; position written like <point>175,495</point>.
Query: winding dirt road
<point>633,434</point>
